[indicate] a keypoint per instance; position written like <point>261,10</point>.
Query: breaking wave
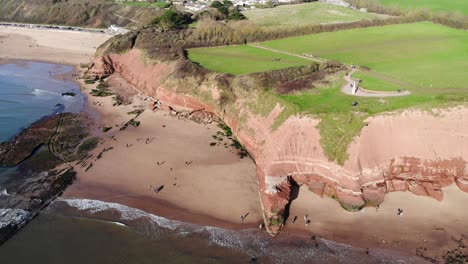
<point>257,244</point>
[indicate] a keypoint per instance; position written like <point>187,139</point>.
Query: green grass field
<point>239,60</point>
<point>458,6</point>
<point>305,14</point>
<point>419,55</point>
<point>430,60</point>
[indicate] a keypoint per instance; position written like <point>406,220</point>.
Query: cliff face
<point>412,150</point>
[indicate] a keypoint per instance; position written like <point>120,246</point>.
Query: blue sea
<point>31,90</point>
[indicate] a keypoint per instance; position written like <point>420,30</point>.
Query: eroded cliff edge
<point>411,150</point>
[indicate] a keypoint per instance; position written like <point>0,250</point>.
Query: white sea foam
<point>40,92</point>
<point>12,217</point>
<point>252,242</point>
<point>219,236</point>
<point>117,223</point>
<point>127,213</point>
<point>3,192</point>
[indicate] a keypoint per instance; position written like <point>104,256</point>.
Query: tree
<point>221,7</point>
<point>236,15</point>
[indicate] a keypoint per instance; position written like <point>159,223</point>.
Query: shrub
<point>236,15</point>
<point>172,20</point>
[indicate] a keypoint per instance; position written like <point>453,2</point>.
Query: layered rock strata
<point>413,150</point>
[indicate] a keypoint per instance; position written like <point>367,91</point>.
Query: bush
<point>172,20</point>
<point>236,15</point>
<point>101,90</point>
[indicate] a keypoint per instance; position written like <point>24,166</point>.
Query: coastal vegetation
<point>390,56</point>
<point>102,90</point>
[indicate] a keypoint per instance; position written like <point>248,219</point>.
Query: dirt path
<point>348,89</point>
<point>287,53</point>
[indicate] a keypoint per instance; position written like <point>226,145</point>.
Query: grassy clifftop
<point>92,13</point>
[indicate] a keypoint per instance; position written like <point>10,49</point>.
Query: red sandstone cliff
<point>412,150</point>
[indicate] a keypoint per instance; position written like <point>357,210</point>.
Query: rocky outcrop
<point>41,151</point>
<point>24,198</point>
<point>24,144</point>
<point>413,150</point>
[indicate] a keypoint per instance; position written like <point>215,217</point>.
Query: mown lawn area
<point>419,55</point>
<point>243,59</point>
<point>458,6</point>
<point>305,14</point>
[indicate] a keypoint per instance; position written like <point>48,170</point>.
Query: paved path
<point>348,89</point>
<point>287,53</point>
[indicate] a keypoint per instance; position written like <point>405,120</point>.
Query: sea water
<point>92,231</point>
<point>30,91</point>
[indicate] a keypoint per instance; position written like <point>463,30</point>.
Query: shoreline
<point>105,115</point>
<point>167,204</point>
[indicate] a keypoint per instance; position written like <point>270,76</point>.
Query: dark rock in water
<point>68,94</point>
<point>10,220</point>
<point>28,196</point>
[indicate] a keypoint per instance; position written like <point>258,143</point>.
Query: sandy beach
<point>210,181</point>
<point>55,46</point>
<point>212,185</point>
<point>425,222</point>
